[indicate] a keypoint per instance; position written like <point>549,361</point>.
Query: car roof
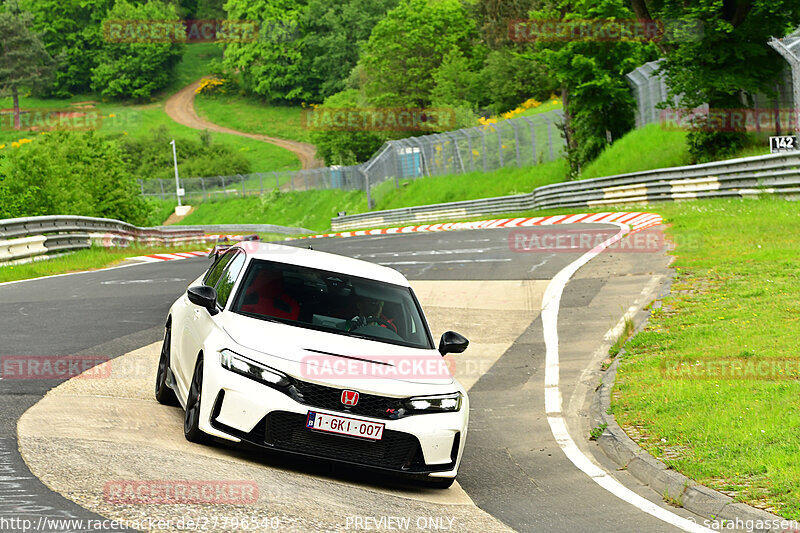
<point>322,260</point>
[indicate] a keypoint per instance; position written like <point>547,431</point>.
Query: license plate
<point>344,426</point>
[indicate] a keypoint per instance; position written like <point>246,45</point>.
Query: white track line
<point>552,396</point>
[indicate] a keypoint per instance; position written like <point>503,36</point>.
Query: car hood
<point>336,359</point>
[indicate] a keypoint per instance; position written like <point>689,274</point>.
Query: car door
<point>196,322</point>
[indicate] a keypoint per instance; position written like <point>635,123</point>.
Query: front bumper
<point>236,408</point>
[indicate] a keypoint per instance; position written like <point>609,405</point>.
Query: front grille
<point>330,398</point>
<point>396,450</point>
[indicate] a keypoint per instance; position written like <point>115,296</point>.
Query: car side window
<point>228,280</point>
<point>216,269</point>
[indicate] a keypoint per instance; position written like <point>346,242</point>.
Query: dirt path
<point>180,108</point>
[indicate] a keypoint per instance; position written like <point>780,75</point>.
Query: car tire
<point>191,419</point>
<point>164,394</point>
<point>440,482</point>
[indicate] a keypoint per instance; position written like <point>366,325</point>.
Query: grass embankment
<point>643,149</point>
<point>647,148</point>
<point>139,120</point>
<point>306,209</point>
<point>89,259</point>
<point>252,115</point>
<point>314,209</point>
<point>733,304</point>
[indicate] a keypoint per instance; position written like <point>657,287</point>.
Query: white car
<point>316,354</point>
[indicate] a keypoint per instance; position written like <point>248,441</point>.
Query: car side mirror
<point>452,342</point>
<point>204,296</point>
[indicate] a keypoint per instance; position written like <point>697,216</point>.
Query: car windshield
<point>334,302</point>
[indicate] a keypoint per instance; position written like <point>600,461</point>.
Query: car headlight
<point>435,404</point>
<point>252,369</point>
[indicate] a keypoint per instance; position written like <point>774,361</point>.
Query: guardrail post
<point>162,188</point>
<point>224,190</point>
<point>244,189</point>
<point>203,186</point>
<point>277,181</point>
<point>261,182</point>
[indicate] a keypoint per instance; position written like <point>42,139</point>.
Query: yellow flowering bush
<point>211,86</point>
<point>524,106</point>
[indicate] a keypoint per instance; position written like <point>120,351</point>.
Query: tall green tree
<point>333,34</point>
<point>306,48</point>
<point>720,50</point>
<point>72,32</point>
<point>409,45</point>
<point>598,105</point>
<point>24,62</point>
<point>137,69</point>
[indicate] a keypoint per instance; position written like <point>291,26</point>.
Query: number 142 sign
<point>782,143</point>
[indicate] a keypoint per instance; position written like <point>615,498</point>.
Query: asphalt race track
<point>513,475</point>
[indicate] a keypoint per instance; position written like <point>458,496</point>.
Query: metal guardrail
<point>247,228</point>
<point>22,238</point>
<point>744,177</point>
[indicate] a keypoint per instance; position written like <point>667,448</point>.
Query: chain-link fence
<point>650,90</point>
<point>516,142</point>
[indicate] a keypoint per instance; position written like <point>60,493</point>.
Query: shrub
<point>72,173</point>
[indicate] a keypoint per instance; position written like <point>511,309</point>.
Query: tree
<point>306,48</point>
<point>137,69</point>
<point>345,147</point>
<point>270,66</point>
<point>75,173</point>
<point>408,45</point>
<point>72,32</point>
<point>719,52</point>
<point>598,105</point>
<point>511,76</point>
<point>333,33</point>
<point>23,60</point>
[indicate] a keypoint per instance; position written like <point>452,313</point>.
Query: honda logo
<point>349,397</point>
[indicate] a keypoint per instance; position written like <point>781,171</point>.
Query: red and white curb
<point>636,221</point>
<point>153,258</point>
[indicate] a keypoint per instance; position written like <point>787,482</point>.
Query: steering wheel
<point>380,321</point>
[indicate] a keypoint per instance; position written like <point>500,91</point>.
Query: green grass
<point>89,259</point>
<point>140,119</point>
<point>314,209</point>
<point>193,66</point>
<point>734,299</point>
<point>470,186</point>
<point>306,209</point>
<point>643,149</point>
<point>252,115</point>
